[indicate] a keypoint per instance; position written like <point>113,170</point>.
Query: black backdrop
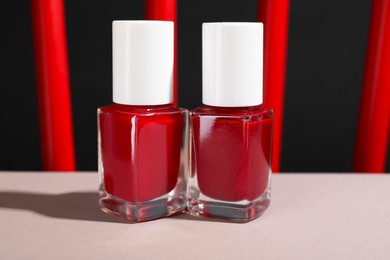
<point>327,41</point>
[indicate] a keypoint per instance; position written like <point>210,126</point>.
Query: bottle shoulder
<point>141,110</point>
<point>233,112</point>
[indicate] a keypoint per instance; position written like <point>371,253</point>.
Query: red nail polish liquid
<point>142,137</point>
<point>232,134</point>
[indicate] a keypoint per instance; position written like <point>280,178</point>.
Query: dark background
<point>327,41</point>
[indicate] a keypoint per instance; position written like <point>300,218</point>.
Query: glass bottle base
<point>142,211</point>
<point>242,211</point>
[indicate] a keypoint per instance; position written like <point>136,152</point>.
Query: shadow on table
<point>75,205</point>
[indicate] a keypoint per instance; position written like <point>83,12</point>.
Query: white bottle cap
<point>232,64</point>
<point>142,59</point>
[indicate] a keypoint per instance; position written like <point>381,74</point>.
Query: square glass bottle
<point>142,141</point>
<point>231,136</point>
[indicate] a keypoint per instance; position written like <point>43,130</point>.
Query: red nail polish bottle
<point>143,153</point>
<point>231,134</point>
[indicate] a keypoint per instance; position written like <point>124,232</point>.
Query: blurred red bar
<point>165,10</point>
<point>52,77</point>
<point>373,125</point>
<point>275,14</point>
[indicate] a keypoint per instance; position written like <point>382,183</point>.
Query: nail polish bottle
<point>142,141</point>
<point>231,134</point>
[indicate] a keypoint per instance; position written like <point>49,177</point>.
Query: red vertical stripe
<point>275,14</point>
<point>53,85</point>
<point>373,125</point>
<point>165,10</point>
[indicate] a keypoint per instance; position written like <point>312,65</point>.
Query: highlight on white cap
<point>233,64</point>
<point>142,59</point>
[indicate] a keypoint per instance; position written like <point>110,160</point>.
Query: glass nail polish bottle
<point>231,136</point>
<point>143,157</point>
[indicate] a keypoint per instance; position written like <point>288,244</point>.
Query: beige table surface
<point>312,216</point>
